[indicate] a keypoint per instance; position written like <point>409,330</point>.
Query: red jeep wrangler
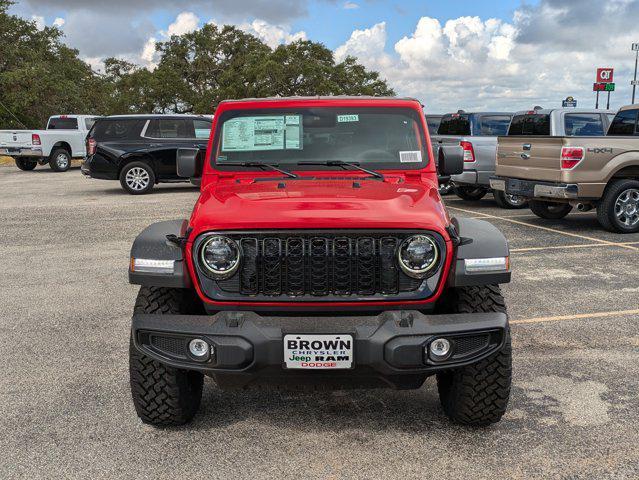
<point>320,253</point>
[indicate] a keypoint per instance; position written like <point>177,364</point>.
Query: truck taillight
<point>570,157</point>
<point>91,146</point>
<point>469,152</point>
<point>35,139</point>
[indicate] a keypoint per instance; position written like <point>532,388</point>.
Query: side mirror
<point>451,160</point>
<point>189,164</point>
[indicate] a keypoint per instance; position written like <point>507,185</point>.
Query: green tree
<point>39,75</point>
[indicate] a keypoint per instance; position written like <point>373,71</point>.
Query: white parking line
<point>578,316</point>
<point>570,234</point>
<point>560,247</point>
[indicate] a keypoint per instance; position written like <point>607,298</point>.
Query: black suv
<point>139,150</point>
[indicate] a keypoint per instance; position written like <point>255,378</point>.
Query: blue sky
<point>500,54</point>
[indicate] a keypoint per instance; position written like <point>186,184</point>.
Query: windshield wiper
<point>267,166</point>
<point>340,163</point>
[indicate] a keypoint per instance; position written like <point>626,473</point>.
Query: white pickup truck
<point>63,140</point>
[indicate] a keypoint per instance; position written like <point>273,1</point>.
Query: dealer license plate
<point>318,352</point>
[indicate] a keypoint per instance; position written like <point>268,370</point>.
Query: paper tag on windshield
<point>347,118</point>
<point>413,156</point>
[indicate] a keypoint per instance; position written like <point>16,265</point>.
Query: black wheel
<point>550,210</point>
<point>162,395</point>
<point>25,164</point>
<point>471,193</point>
<point>137,178</point>
<point>505,200</point>
<point>618,210</point>
<point>60,160</point>
<point>477,394</point>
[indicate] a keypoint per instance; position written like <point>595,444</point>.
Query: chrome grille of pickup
<point>307,265</point>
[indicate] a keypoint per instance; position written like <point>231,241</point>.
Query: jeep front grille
<point>319,265</point>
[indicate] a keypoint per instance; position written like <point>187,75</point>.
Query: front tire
<point>60,160</point>
<point>618,210</point>
<point>162,395</point>
<point>471,194</point>
<point>137,178</point>
<point>550,210</point>
<point>25,164</point>
<point>477,394</point>
<point>509,202</point>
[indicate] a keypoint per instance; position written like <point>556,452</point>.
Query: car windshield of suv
<point>390,138</point>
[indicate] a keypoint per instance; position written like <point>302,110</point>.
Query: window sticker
<point>347,118</point>
<point>250,134</point>
<point>293,132</point>
<point>413,156</point>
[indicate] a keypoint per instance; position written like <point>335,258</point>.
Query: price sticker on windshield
<point>413,156</point>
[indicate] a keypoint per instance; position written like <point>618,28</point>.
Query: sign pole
<point>597,102</point>
<point>608,102</point>
<point>635,47</point>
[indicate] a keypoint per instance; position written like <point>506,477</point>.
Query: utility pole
<point>635,48</point>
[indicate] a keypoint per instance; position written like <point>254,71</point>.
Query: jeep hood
<point>351,202</point>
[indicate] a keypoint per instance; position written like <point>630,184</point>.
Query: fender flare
<point>152,244</point>
<point>478,239</point>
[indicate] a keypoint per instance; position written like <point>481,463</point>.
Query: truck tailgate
<point>15,138</point>
<point>534,158</point>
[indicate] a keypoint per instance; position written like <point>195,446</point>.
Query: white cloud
<point>350,6</point>
<point>39,21</point>
<point>185,22</point>
<point>545,53</point>
<point>272,35</point>
<point>59,22</point>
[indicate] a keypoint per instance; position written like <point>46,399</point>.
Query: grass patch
<point>6,160</point>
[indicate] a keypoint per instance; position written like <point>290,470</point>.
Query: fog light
<point>439,349</point>
<point>199,348</point>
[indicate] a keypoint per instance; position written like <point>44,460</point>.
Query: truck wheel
<point>60,160</point>
<point>25,164</point>
<point>505,200</point>
<point>618,210</point>
<point>471,193</point>
<point>137,178</point>
<point>550,210</point>
<point>162,395</point>
<point>478,394</point>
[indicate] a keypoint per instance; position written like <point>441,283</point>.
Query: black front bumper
<point>389,348</point>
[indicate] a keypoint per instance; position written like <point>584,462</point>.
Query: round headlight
<point>220,256</point>
<point>417,255</point>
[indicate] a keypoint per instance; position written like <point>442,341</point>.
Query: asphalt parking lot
<point>65,306</point>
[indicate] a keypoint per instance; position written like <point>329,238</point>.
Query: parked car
<point>139,150</point>
<point>319,254</point>
<point>63,139</point>
<point>477,134</point>
<point>560,172</point>
<point>445,184</point>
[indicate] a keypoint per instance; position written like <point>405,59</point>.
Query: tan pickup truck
<point>560,173</point>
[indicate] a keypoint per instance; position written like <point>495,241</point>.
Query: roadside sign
<point>634,83</point>
<point>605,75</point>
<point>635,47</point>
<point>603,87</point>
<point>570,102</point>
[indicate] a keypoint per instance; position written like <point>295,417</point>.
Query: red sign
<point>605,75</point>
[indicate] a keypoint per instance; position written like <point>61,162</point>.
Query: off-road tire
<point>477,394</point>
<point>55,160</point>
<point>606,214</point>
<point>24,164</point>
<point>148,175</point>
<point>503,201</point>
<point>550,210</point>
<point>471,194</point>
<point>162,395</point>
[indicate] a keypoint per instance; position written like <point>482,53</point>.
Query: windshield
<point>378,138</point>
